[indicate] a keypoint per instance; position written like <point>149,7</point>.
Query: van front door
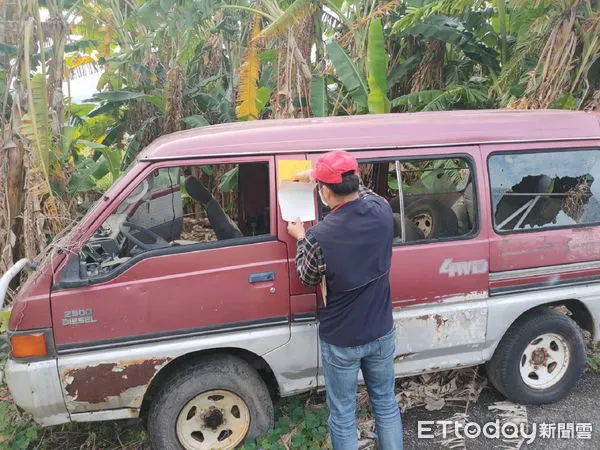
<point>144,299</point>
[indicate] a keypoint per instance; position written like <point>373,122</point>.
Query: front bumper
<point>35,387</point>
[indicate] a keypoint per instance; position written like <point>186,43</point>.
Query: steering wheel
<point>158,241</point>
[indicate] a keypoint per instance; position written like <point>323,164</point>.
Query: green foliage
<point>452,31</point>
<point>229,180</point>
<point>114,99</point>
<point>16,433</point>
<point>263,95</point>
<point>594,362</point>
<point>401,71</point>
<point>427,177</point>
<point>302,427</point>
<point>349,74</point>
<point>36,123</point>
<point>95,162</point>
<point>318,96</point>
<point>293,14</point>
<point>377,63</point>
<point>4,318</point>
<point>422,9</point>
<point>8,49</point>
<point>565,101</point>
<point>195,121</point>
<point>442,99</point>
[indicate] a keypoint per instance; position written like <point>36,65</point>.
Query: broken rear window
<point>545,189</point>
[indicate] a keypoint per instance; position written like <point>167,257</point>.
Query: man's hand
<point>296,229</point>
<point>303,176</point>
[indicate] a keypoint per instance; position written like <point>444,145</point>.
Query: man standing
<point>352,249</point>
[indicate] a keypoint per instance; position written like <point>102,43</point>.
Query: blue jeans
<point>340,367</point>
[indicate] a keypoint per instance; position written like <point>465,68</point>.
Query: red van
<point>196,325</point>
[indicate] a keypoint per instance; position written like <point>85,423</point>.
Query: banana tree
<point>31,176</point>
<point>369,94</point>
<point>553,54</point>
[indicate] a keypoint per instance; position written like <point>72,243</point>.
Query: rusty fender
<point>97,384</point>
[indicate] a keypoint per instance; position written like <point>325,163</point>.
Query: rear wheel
<point>539,359</point>
<point>216,403</point>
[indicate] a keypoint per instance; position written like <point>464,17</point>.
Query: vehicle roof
<point>375,131</point>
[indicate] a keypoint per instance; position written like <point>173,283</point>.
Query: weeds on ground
<point>593,358</point>
<point>301,424</point>
<point>16,431</point>
<point>594,362</point>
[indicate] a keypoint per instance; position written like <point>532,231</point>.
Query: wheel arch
<point>580,313</point>
<point>576,310</point>
<point>257,362</point>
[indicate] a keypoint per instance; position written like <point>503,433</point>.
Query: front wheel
<point>216,403</point>
<point>540,358</point>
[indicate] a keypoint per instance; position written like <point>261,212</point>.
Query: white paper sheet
<point>297,200</point>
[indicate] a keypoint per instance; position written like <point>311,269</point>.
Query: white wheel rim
<point>216,420</point>
<point>545,361</point>
<point>424,222</point>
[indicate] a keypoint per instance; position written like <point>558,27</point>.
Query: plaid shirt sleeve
<point>310,264</point>
<point>364,191</point>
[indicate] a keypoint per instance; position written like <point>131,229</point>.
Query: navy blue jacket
<point>356,241</point>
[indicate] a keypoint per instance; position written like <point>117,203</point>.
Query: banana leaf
<point>348,74</point>
<point>377,64</point>
<point>318,97</point>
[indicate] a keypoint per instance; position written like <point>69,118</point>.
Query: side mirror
<point>74,274</point>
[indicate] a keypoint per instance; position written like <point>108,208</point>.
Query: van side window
<point>545,189</point>
<point>181,206</point>
<point>437,196</point>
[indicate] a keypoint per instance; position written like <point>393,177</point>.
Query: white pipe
<point>515,214</point>
<point>526,213</point>
<point>9,275</point>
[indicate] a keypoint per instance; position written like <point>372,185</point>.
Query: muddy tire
<point>539,359</point>
<point>219,402</point>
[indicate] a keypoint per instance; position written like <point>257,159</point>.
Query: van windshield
<point>61,241</point>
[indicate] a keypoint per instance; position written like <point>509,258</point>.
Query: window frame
<point>524,152</point>
<point>271,236</point>
<point>472,234</point>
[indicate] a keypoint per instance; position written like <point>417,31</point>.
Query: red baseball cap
<point>332,165</point>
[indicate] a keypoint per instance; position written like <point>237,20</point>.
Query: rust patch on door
<point>94,384</point>
<point>439,320</point>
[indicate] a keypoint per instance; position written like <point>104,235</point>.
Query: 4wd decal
<point>463,267</point>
